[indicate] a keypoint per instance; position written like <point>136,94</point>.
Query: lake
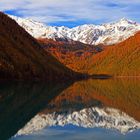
<point>89,109</point>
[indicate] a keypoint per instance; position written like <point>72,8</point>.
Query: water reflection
<point>111,104</point>
<point>35,109</point>
<point>108,118</point>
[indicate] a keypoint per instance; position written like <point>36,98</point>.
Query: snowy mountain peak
<point>106,34</point>
<point>26,20</point>
<point>127,21</point>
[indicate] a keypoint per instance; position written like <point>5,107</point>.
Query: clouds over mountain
<point>90,11</point>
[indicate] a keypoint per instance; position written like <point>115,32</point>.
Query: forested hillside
<point>21,56</point>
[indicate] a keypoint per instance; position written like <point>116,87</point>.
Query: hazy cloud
<point>52,11</point>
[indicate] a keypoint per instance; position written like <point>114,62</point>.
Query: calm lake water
<point>83,110</point>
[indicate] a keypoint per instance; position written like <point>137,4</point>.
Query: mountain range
<point>121,59</point>
<point>107,34</point>
<point>32,49</point>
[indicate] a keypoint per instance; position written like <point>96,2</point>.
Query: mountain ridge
<point>107,34</point>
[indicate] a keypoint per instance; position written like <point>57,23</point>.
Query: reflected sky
<point>70,132</point>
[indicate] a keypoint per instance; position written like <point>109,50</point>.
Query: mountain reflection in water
<point>28,109</point>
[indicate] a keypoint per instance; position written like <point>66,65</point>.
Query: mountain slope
<point>70,53</point>
<point>106,34</point>
<point>122,59</point>
<point>21,57</point>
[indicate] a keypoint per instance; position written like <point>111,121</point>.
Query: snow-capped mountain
<point>88,118</point>
<point>107,34</point>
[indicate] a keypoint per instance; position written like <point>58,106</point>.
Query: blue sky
<point>73,12</point>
